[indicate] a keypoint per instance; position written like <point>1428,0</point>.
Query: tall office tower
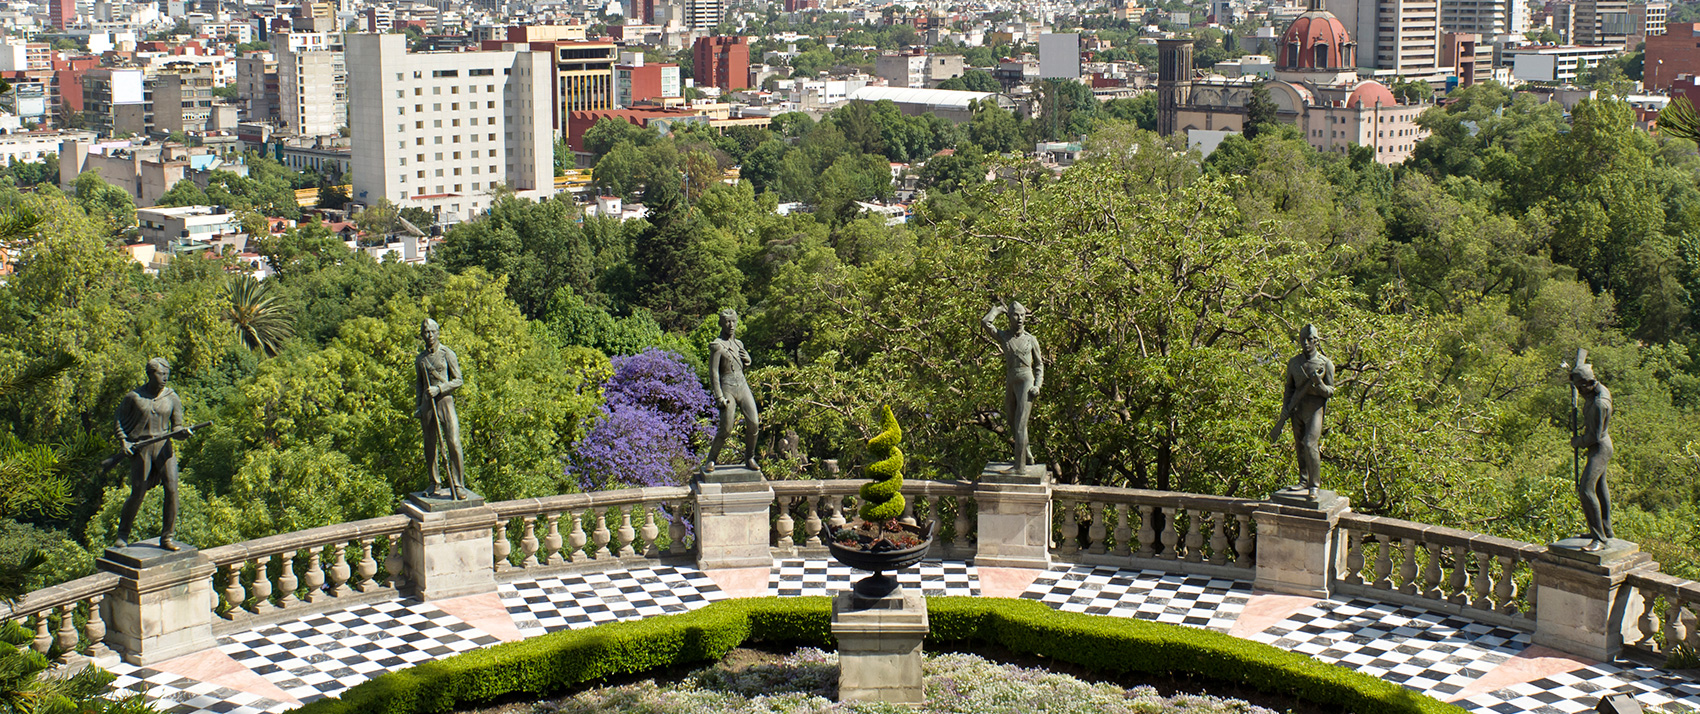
<point>704,15</point>
<point>1488,18</point>
<point>1602,23</point>
<point>443,130</point>
<point>1400,36</point>
<point>308,95</point>
<point>722,62</point>
<point>61,12</point>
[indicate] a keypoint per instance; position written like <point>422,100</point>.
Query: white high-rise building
<point>444,130</point>
<point>703,15</point>
<point>1399,37</point>
<point>312,87</point>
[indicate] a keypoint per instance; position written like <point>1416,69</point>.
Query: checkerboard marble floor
<point>1446,656</point>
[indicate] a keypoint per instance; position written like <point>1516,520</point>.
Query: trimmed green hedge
<point>1106,645</point>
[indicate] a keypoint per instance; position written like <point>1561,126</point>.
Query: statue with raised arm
<point>149,417</point>
<point>727,360</point>
<point>1595,441</point>
<point>1308,384</point>
<point>437,377</point>
<point>1024,374</point>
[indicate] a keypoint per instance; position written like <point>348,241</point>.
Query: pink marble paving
<point>1266,609</point>
<point>1531,664</point>
<point>741,582</point>
<point>215,667</point>
<point>484,612</point>
<point>1006,582</point>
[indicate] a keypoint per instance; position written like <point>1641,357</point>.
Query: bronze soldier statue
<point>149,417</point>
<point>1308,384</point>
<point>438,376</point>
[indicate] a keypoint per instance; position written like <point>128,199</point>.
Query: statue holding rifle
<point>1590,417</point>
<point>1308,384</point>
<point>149,417</point>
<point>437,377</point>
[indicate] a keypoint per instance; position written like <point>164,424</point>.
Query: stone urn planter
<point>857,546</point>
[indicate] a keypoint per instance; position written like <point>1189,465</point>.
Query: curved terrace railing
<point>1623,604</point>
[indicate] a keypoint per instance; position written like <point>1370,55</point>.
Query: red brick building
<point>61,12</point>
<point>722,62</point>
<point>1677,52</point>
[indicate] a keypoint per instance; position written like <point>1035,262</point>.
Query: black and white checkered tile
<point>1579,691</point>
<point>933,578</point>
<point>176,694</point>
<point>324,654</point>
<point>1194,600</point>
<point>585,599</point>
<point>1433,653</point>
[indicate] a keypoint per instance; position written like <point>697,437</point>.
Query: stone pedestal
<point>733,504</point>
<point>163,607</point>
<point>1297,551</point>
<point>1014,517</point>
<point>1582,605</point>
<point>879,647</point>
<point>448,548</point>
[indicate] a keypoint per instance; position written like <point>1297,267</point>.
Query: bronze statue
<point>1309,383</point>
<point>1024,374</point>
<point>149,417</point>
<point>437,378</point>
<point>727,360</point>
<point>1596,440</point>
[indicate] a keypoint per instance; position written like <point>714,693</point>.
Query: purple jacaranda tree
<point>654,417</point>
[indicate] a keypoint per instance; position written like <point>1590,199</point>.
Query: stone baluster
<point>835,514</point>
<point>315,575</point>
<point>784,528</point>
<point>1096,533</point>
<point>1383,562</point>
<point>1194,536</point>
<point>501,547</point>
<point>339,569</point>
<point>676,531</point>
<point>964,537</point>
<point>1673,622</point>
<point>96,629</point>
<point>1484,582</point>
<point>1123,532</point>
<point>627,533</point>
<point>1068,542</point>
<point>1460,582</point>
<point>394,573</point>
<point>528,543</point>
<point>577,538</point>
<point>43,639</point>
<point>600,536</point>
<point>232,589</point>
<point>908,517</point>
<point>67,636</point>
<point>287,582</point>
<point>811,520</point>
<point>1648,623</point>
<point>1245,546</point>
<point>1354,556</point>
<point>1505,589</point>
<point>1218,538</point>
<point>1408,567</point>
<point>261,589</point>
<point>1431,572</point>
<point>552,542</point>
<point>1147,533</point>
<point>368,567</point>
<point>650,533</point>
<point>1170,537</point>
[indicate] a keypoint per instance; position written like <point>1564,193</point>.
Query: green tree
<point>1260,112</point>
<point>995,129</point>
<point>184,193</point>
<point>538,245</point>
<point>98,198</point>
<point>260,319</point>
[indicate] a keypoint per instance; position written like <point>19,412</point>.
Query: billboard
<point>1059,56</point>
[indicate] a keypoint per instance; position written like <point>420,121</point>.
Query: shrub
<point>881,500</point>
<point>1105,645</point>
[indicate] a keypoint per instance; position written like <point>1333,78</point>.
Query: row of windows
<point>458,188</point>
<point>453,89</point>
<point>439,173</point>
<point>453,106</point>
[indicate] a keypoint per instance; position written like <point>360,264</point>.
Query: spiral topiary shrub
<point>881,500</point>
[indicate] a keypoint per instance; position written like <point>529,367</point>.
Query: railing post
<point>1586,607</point>
<point>733,518</point>
<point>1298,549</point>
<point>1014,517</point>
<point>449,550</point>
<point>163,606</point>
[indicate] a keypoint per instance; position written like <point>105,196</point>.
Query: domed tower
<point>1316,42</point>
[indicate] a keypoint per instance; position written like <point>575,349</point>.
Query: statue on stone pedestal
<point>1024,374</point>
<point>1308,384</point>
<point>1595,408</point>
<point>727,360</point>
<point>436,379</point>
<point>149,417</point>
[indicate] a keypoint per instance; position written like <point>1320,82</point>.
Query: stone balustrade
<point>1439,568</point>
<point>154,606</point>
<point>1130,527</point>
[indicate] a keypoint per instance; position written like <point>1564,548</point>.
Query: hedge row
<point>1105,645</point>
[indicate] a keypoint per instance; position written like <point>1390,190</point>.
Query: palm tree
<point>1678,119</point>
<point>258,315</point>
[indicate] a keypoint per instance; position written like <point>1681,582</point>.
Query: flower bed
<point>806,681</point>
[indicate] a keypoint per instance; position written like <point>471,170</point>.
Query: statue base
<point>1571,549</point>
<point>443,500</point>
<point>730,474</point>
<point>1299,496</point>
<point>141,556</point>
<point>1004,472</point>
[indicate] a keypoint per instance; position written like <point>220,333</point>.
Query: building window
<point>437,107</point>
<point>455,106</point>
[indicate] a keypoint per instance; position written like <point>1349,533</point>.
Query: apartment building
<point>182,99</point>
<point>1488,18</point>
<point>637,81</point>
<point>312,84</point>
<point>723,62</point>
<point>1398,37</point>
<point>257,86</point>
<point>109,94</point>
<point>443,130</point>
<point>703,15</point>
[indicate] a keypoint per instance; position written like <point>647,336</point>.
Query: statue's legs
<point>1018,406</point>
<point>723,427</point>
<point>166,466</point>
<point>428,424</point>
<point>141,467</point>
<point>1307,443</point>
<point>451,443</point>
<point>752,426</point>
<point>1591,491</point>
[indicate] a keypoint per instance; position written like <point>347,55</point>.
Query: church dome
<point>1316,41</point>
<point>1371,94</point>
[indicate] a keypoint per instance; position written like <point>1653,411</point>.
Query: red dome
<point>1316,40</point>
<point>1371,94</point>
